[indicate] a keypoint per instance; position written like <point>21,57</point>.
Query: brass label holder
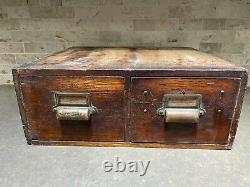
<point>73,106</point>
<point>181,108</point>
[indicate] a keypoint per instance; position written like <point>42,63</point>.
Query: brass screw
<point>145,93</point>
<point>183,92</point>
<point>161,113</point>
<point>219,110</point>
<point>222,93</point>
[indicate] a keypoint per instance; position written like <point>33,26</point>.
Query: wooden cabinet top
<point>82,58</point>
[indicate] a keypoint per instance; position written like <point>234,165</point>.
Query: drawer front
<point>179,123</point>
<point>59,108</point>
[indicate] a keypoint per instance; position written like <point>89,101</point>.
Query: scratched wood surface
<point>107,94</point>
<point>213,127</point>
<point>116,78</point>
<point>126,59</point>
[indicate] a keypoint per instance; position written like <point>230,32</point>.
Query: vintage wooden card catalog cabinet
<point>131,97</point>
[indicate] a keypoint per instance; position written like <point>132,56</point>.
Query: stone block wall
<point>30,29</point>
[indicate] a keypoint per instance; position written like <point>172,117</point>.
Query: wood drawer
<point>107,95</point>
<point>139,97</point>
<point>219,96</point>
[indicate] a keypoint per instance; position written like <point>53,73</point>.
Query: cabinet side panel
<point>19,95</point>
<point>238,107</point>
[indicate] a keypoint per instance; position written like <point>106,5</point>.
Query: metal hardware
<point>222,92</point>
<point>145,93</point>
<point>183,92</point>
<point>219,110</point>
<point>179,108</point>
<point>73,106</point>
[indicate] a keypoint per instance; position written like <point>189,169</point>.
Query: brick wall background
<point>30,29</point>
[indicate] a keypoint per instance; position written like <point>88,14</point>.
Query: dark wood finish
<point>116,78</point>
<point>213,127</point>
<point>106,92</point>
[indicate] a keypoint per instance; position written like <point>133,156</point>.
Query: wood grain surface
<point>107,94</point>
<point>117,79</point>
<point>214,125</point>
<point>129,58</point>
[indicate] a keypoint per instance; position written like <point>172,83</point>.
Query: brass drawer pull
<point>181,108</point>
<point>73,106</point>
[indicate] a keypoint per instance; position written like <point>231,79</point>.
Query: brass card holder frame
<point>181,108</point>
<point>73,106</point>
